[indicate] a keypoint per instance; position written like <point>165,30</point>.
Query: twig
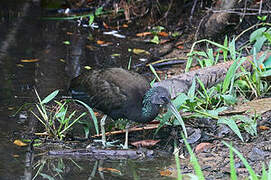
<point>130,130</point>
<point>237,37</point>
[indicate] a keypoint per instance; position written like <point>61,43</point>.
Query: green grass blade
<point>177,160</point>
<point>49,97</point>
<point>248,167</point>
<point>194,161</point>
<point>90,110</point>
<point>78,118</point>
<point>232,165</point>
<point>154,72</point>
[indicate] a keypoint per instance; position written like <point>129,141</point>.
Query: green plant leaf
<point>268,36</point>
<point>250,125</point>
<point>99,11</point>
<point>50,97</point>
<point>91,19</point>
<point>256,34</point>
<point>231,123</point>
<point>90,110</point>
<point>230,74</point>
<point>192,89</point>
<point>229,99</point>
<point>155,40</point>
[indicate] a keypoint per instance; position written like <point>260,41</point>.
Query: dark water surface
<point>26,37</point>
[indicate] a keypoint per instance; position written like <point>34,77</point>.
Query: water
<point>32,54</point>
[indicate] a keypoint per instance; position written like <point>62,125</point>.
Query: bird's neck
<point>149,110</point>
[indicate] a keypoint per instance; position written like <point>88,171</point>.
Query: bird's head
<point>160,96</point>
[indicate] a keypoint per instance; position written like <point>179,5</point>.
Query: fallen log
<point>104,153</point>
<point>210,76</point>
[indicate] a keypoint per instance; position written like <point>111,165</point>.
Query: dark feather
<point>117,92</point>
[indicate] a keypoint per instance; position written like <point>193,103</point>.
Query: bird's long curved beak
<point>175,112</point>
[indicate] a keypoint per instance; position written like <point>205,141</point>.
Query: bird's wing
<point>104,94</point>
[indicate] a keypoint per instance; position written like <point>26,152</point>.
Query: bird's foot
<point>107,144</point>
<point>125,146</point>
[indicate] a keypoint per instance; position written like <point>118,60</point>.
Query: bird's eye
<point>165,99</point>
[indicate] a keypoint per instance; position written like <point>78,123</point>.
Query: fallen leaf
<point>180,47</point>
<point>143,34</point>
<point>140,51</point>
<point>15,155</point>
<point>19,143</point>
<point>42,134</point>
<point>165,172</point>
<point>66,42</point>
<point>69,33</point>
<point>100,42</point>
<point>115,55</point>
<point>164,34</point>
<point>61,60</point>
<point>105,25</point>
<point>11,108</point>
<point>145,143</point>
<point>125,25</point>
<point>264,128</point>
<point>92,48</point>
<point>202,147</point>
<point>163,41</point>
<point>109,169</point>
<point>87,67</point>
<point>103,43</point>
<point>258,106</point>
<point>29,60</point>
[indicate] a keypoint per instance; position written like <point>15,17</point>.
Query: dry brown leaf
<point>264,128</point>
<point>19,143</point>
<point>100,42</point>
<point>105,25</point>
<point>143,34</point>
<point>164,34</point>
<point>180,47</point>
<point>109,169</point>
<point>202,147</point>
<point>145,143</point>
<point>29,60</point>
<point>165,172</point>
<point>259,106</point>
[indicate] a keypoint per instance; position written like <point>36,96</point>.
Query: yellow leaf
<point>87,67</point>
<point>140,51</point>
<point>29,60</point>
<point>11,108</point>
<point>62,60</point>
<point>19,143</point>
<point>19,65</point>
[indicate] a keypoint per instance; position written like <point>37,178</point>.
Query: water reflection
<point>24,37</point>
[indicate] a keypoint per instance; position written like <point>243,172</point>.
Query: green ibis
<point>120,93</point>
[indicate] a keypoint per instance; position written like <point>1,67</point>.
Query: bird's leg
<point>103,130</point>
<point>126,136</point>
